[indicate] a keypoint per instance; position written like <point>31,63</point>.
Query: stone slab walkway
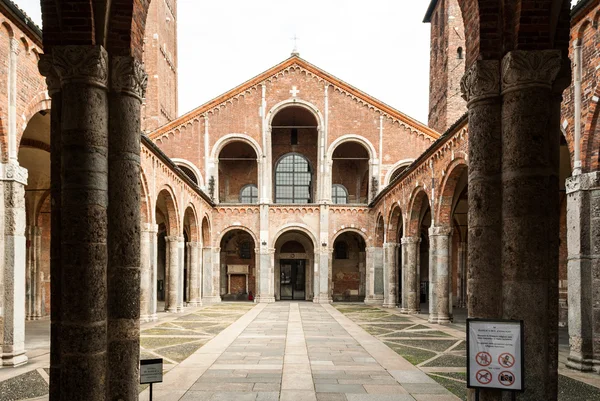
<point>296,351</point>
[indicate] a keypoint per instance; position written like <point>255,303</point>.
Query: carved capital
<point>13,172</point>
<point>440,231</point>
<point>173,238</point>
<point>14,46</point>
<point>481,81</point>
<point>81,64</point>
<point>410,240</point>
<point>46,68</point>
<point>128,76</point>
<point>525,69</point>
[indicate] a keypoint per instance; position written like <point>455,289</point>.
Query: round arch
<point>191,166</point>
<point>447,191</point>
<point>229,138</point>
<point>352,138</point>
<point>40,102</point>
<point>146,199</point>
<point>241,228</point>
<point>395,217</point>
<point>190,212</point>
<point>206,231</point>
<point>417,199</point>
<point>303,228</point>
<point>395,167</point>
<point>296,103</point>
<point>379,234</point>
<point>173,214</point>
<point>350,230</point>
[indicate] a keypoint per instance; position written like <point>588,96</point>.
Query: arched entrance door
<point>294,261</point>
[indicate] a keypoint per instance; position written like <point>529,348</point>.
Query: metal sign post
<point>151,371</point>
<point>495,352</point>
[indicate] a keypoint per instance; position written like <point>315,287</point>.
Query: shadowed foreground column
<point>83,72</point>
<point>530,210</point>
<point>128,83</point>
<point>410,266</point>
<point>481,88</point>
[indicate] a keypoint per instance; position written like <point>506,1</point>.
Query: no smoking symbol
<point>484,376</point>
<point>483,358</point>
<point>506,360</point>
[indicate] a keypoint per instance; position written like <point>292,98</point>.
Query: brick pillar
<point>439,265</point>
<point>583,197</point>
<point>54,90</point>
<point>374,279</point>
<point>530,209</point>
<point>410,270</point>
<point>194,267</point>
<point>128,84</point>
<point>172,276</point>
<point>13,180</point>
<point>390,275</point>
<point>83,72</point>
<point>149,242</point>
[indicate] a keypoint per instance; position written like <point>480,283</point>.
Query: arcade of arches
<point>295,185</point>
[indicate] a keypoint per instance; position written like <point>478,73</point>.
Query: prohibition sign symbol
<point>484,376</point>
<point>506,378</point>
<point>506,360</point>
<point>483,358</point>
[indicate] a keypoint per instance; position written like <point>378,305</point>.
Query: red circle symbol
<point>483,358</point>
<point>506,360</point>
<point>506,378</point>
<point>484,376</point>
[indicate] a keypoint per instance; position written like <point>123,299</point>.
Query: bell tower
<point>447,63</point>
<point>160,58</point>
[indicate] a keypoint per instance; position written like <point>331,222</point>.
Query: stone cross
<point>294,91</point>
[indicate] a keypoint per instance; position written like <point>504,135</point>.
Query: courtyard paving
<point>293,351</point>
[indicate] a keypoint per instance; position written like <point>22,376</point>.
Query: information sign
<point>495,354</point>
<point>151,371</point>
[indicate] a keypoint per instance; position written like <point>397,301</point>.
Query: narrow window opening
<point>294,139</point>
<point>459,53</point>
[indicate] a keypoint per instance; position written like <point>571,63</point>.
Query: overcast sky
<point>381,46</point>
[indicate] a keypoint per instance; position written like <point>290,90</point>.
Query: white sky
<point>380,46</point>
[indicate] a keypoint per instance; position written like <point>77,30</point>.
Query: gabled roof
<point>296,61</point>
<point>430,10</point>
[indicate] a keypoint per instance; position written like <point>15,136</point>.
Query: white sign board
<point>495,354</point>
<point>151,371</point>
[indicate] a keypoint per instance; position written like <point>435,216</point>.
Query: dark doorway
<point>292,281</point>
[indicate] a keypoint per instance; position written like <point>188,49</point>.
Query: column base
<point>194,304</point>
<point>322,299</point>
<point>153,317</point>
<point>171,310</point>
<point>577,363</point>
<point>145,318</point>
<point>433,319</point>
<point>211,300</point>
<point>444,320</point>
<point>14,359</point>
<point>409,311</point>
<point>374,300</point>
<point>390,305</point>
<point>264,299</point>
<point>180,309</point>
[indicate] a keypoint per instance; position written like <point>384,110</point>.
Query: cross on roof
<point>295,50</point>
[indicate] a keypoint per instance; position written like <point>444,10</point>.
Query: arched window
<point>249,194</point>
<point>459,53</point>
<point>341,250</point>
<point>339,194</point>
<point>293,180</point>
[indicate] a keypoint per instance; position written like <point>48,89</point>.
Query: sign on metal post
<point>151,371</point>
<point>495,354</point>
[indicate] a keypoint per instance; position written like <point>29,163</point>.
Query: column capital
<point>481,81</point>
<point>13,172</point>
<point>390,244</point>
<point>128,76</point>
<point>46,68</point>
<point>410,240</point>
<point>81,64</point>
<point>194,245</point>
<point>149,227</point>
<point>173,238</point>
<point>527,69</point>
<point>440,231</point>
<point>583,182</point>
<point>14,46</point>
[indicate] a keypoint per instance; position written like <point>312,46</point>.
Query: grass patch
<point>448,360</point>
<point>160,342</point>
<point>412,355</point>
<point>456,388</point>
<point>180,352</point>
<point>453,375</point>
<point>432,345</point>
<point>417,334</point>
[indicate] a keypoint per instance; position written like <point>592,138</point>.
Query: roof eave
<point>429,12</point>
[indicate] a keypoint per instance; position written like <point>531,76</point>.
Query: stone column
<point>33,273</point>
<point>323,294</point>
<point>209,293</point>
<point>390,278</point>
<point>13,180</point>
<point>172,273</point>
<point>147,276</point>
<point>374,279</point>
<point>194,273</point>
<point>410,266</point>
<point>266,276</point>
<point>323,254</point>
<point>46,68</point>
<point>180,282</point>
<point>530,209</point>
<point>83,72</point>
<point>439,257</point>
<point>583,226</point>
<point>461,287</point>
